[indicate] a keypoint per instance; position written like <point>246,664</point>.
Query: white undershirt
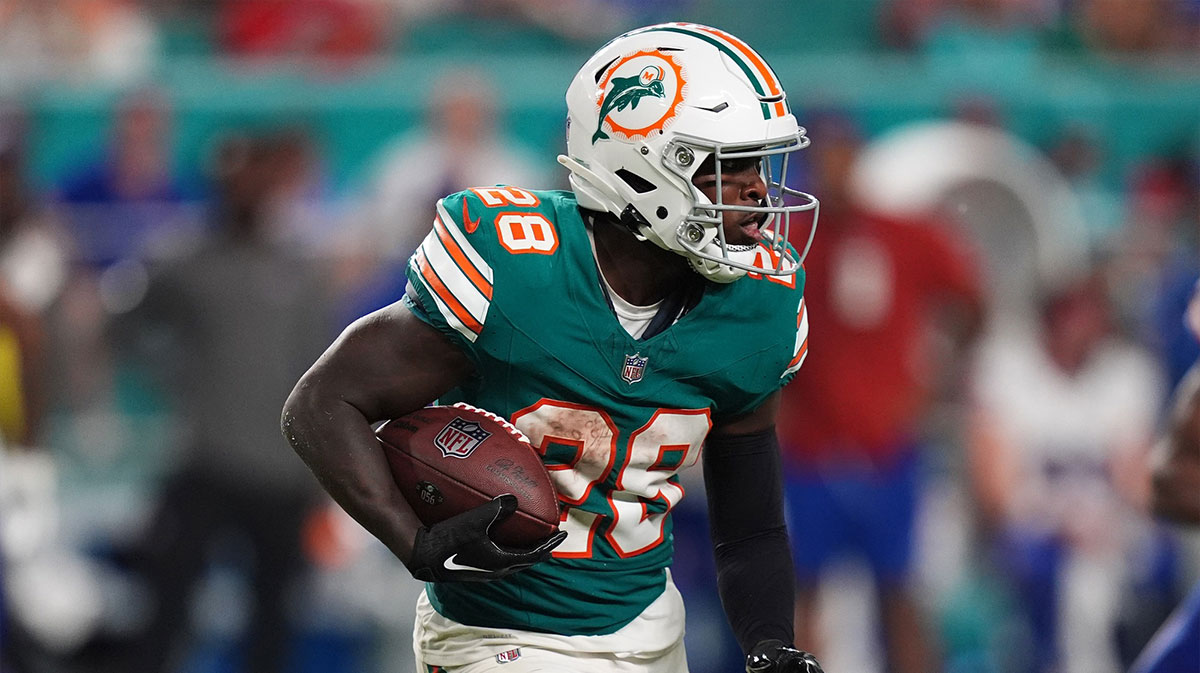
<point>635,319</point>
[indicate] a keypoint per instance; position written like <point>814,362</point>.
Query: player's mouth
<point>751,230</point>
<point>748,231</point>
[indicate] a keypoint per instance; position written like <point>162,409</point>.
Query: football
<point>449,459</point>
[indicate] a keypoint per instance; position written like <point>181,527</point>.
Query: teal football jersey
<point>509,276</point>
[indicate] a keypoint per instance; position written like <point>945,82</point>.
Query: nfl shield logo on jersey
<point>635,366</point>
<point>460,438</point>
<point>511,655</point>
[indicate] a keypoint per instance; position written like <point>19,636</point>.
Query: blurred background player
<point>851,422</point>
<point>33,272</point>
<point>1061,424</point>
<point>230,326</point>
<point>1176,496</point>
<point>459,144</point>
<point>129,196</point>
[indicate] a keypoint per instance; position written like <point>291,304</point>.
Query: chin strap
<point>717,272</point>
<point>634,222</point>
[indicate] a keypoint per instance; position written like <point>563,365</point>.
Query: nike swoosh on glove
<point>460,549</point>
<point>772,656</point>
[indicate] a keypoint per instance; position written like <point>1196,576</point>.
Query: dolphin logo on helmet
<point>626,92</point>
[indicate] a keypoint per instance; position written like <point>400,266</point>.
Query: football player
<point>1175,648</point>
<point>637,325</point>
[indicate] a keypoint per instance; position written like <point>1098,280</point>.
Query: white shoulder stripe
<point>796,367</point>
<point>443,308</point>
<point>800,351</point>
<point>461,238</point>
<point>802,328</point>
<point>454,278</point>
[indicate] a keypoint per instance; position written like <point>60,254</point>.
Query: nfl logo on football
<point>460,438</point>
<point>635,367</point>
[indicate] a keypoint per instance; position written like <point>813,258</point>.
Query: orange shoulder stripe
<point>799,355</point>
<point>460,259</point>
<point>439,288</point>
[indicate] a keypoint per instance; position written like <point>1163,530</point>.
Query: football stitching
<point>512,429</point>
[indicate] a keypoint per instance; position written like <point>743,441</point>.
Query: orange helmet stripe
<point>761,66</point>
<point>760,74</point>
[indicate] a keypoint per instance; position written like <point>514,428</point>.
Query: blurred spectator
<point>1118,29</point>
<point>459,145</point>
<point>851,419</point>
<point>302,212</point>
<point>992,41</point>
<point>913,23</point>
<point>47,608</point>
<point>52,604</point>
<point>1106,27</point>
<point>1062,421</point>
<point>1156,258</point>
<point>573,19</point>
<point>33,252</point>
<point>338,31</point>
<point>1078,155</point>
<point>33,268</point>
<point>580,21</point>
<point>1125,27</point>
<point>93,42</point>
<point>902,23</point>
<point>119,209</point>
<point>230,326</point>
<point>22,364</point>
<point>128,200</point>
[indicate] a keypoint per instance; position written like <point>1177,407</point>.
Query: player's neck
<point>640,272</point>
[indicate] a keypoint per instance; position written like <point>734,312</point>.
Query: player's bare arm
<point>743,481</point>
<point>384,365</point>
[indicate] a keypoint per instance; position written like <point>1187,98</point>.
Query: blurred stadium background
<point>1061,135</point>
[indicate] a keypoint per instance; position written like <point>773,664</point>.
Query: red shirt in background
<point>335,29</point>
<point>873,284</point>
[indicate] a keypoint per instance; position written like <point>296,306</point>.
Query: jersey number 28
<point>580,445</point>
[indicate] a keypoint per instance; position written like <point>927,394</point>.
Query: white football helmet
<point>649,108</point>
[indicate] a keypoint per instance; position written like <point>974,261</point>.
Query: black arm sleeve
<point>743,479</point>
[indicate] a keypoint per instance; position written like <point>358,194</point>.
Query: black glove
<point>772,656</point>
<point>459,549</point>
